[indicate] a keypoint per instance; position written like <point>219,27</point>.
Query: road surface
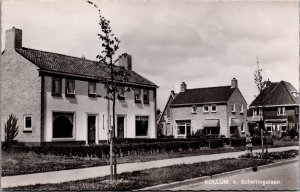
<point>284,177</point>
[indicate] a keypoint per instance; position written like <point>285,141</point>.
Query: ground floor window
<point>232,130</point>
<point>27,122</point>
<point>183,127</point>
<point>212,130</point>
<point>141,125</point>
<point>63,125</point>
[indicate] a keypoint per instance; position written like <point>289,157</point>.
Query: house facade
<point>59,98</point>
<point>165,117</point>
<point>216,111</point>
<point>278,104</point>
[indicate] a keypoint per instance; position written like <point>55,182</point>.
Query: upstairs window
<point>242,108</point>
<point>27,123</point>
<point>56,86</point>
<point>121,91</point>
<point>92,89</point>
<point>233,108</point>
<point>146,96</point>
<point>194,109</point>
<point>70,88</point>
<point>137,95</point>
<point>205,109</point>
<point>214,108</point>
<point>281,111</point>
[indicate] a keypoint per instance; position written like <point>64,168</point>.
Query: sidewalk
<point>92,172</point>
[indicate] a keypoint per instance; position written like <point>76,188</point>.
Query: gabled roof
<point>204,95</point>
<point>171,98</point>
<point>55,62</point>
<point>278,93</point>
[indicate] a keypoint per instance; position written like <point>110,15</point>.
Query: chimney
<point>268,83</point>
<point>234,83</point>
<point>126,62</point>
<point>13,39</point>
<point>182,87</point>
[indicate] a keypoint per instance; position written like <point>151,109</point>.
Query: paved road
<point>93,172</point>
<point>285,177</point>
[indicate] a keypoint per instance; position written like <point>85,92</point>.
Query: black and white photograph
<point>149,95</point>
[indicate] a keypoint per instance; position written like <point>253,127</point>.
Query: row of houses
<point>222,111</point>
<point>60,99</point>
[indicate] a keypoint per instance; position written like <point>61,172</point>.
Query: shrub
<point>271,155</point>
<point>293,133</point>
<point>11,130</point>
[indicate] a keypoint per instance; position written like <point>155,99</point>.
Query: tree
<point>115,75</point>
<point>260,84</point>
<point>11,130</point>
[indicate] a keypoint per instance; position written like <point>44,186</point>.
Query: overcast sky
<point>202,43</point>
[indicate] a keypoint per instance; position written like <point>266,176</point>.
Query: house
<point>214,110</point>
<point>61,99</point>
<point>279,102</point>
<point>165,117</point>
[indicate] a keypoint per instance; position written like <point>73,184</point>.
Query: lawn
<point>25,163</point>
<point>150,177</point>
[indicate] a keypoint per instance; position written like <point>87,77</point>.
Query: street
<point>285,177</point>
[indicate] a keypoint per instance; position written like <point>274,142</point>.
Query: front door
<point>120,125</point>
<point>91,129</point>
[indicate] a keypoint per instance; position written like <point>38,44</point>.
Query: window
<point>141,125</point>
<point>205,109</point>
<point>70,88</point>
<point>183,127</point>
<point>146,96</point>
<point>56,86</point>
<point>281,111</point>
<point>242,108</point>
<point>233,108</point>
<point>269,127</point>
<point>194,109</point>
<point>121,91</point>
<point>137,95</point>
<point>242,129</point>
<point>27,123</point>
<point>92,89</point>
<point>297,110</point>
<point>214,108</point>
<point>63,125</point>
<point>232,130</point>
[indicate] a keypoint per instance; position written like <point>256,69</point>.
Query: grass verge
<point>151,177</point>
<point>21,163</point>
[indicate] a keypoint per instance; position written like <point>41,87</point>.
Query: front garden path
<point>93,172</point>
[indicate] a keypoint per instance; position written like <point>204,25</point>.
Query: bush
<point>293,133</point>
<point>11,130</point>
<point>271,155</point>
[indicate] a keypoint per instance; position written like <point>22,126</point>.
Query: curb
<point>165,186</point>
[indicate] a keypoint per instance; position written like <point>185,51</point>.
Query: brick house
<point>59,98</point>
<point>279,101</point>
<point>215,110</point>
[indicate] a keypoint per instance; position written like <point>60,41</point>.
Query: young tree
<point>115,75</point>
<point>11,130</point>
<point>260,84</point>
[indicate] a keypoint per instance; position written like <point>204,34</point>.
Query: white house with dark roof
<point>59,98</point>
<point>215,110</point>
<point>279,101</point>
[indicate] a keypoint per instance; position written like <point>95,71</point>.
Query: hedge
<point>102,151</point>
<point>240,142</point>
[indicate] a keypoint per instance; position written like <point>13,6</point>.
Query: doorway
<point>91,129</point>
<point>120,126</point>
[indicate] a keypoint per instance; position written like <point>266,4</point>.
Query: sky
<point>202,43</point>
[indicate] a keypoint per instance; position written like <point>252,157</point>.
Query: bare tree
<point>260,84</point>
<point>115,75</point>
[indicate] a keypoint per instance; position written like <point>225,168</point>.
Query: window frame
<point>73,129</point>
<point>194,109</point>
<point>241,108</point>
<point>185,124</point>
<point>147,101</point>
<point>29,129</point>
<point>121,96</point>
<point>205,111</point>
<point>141,116</point>
<point>92,94</point>
<point>69,94</point>
<point>233,108</point>
<point>213,111</point>
<point>137,100</point>
<point>59,92</point>
<point>281,111</point>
